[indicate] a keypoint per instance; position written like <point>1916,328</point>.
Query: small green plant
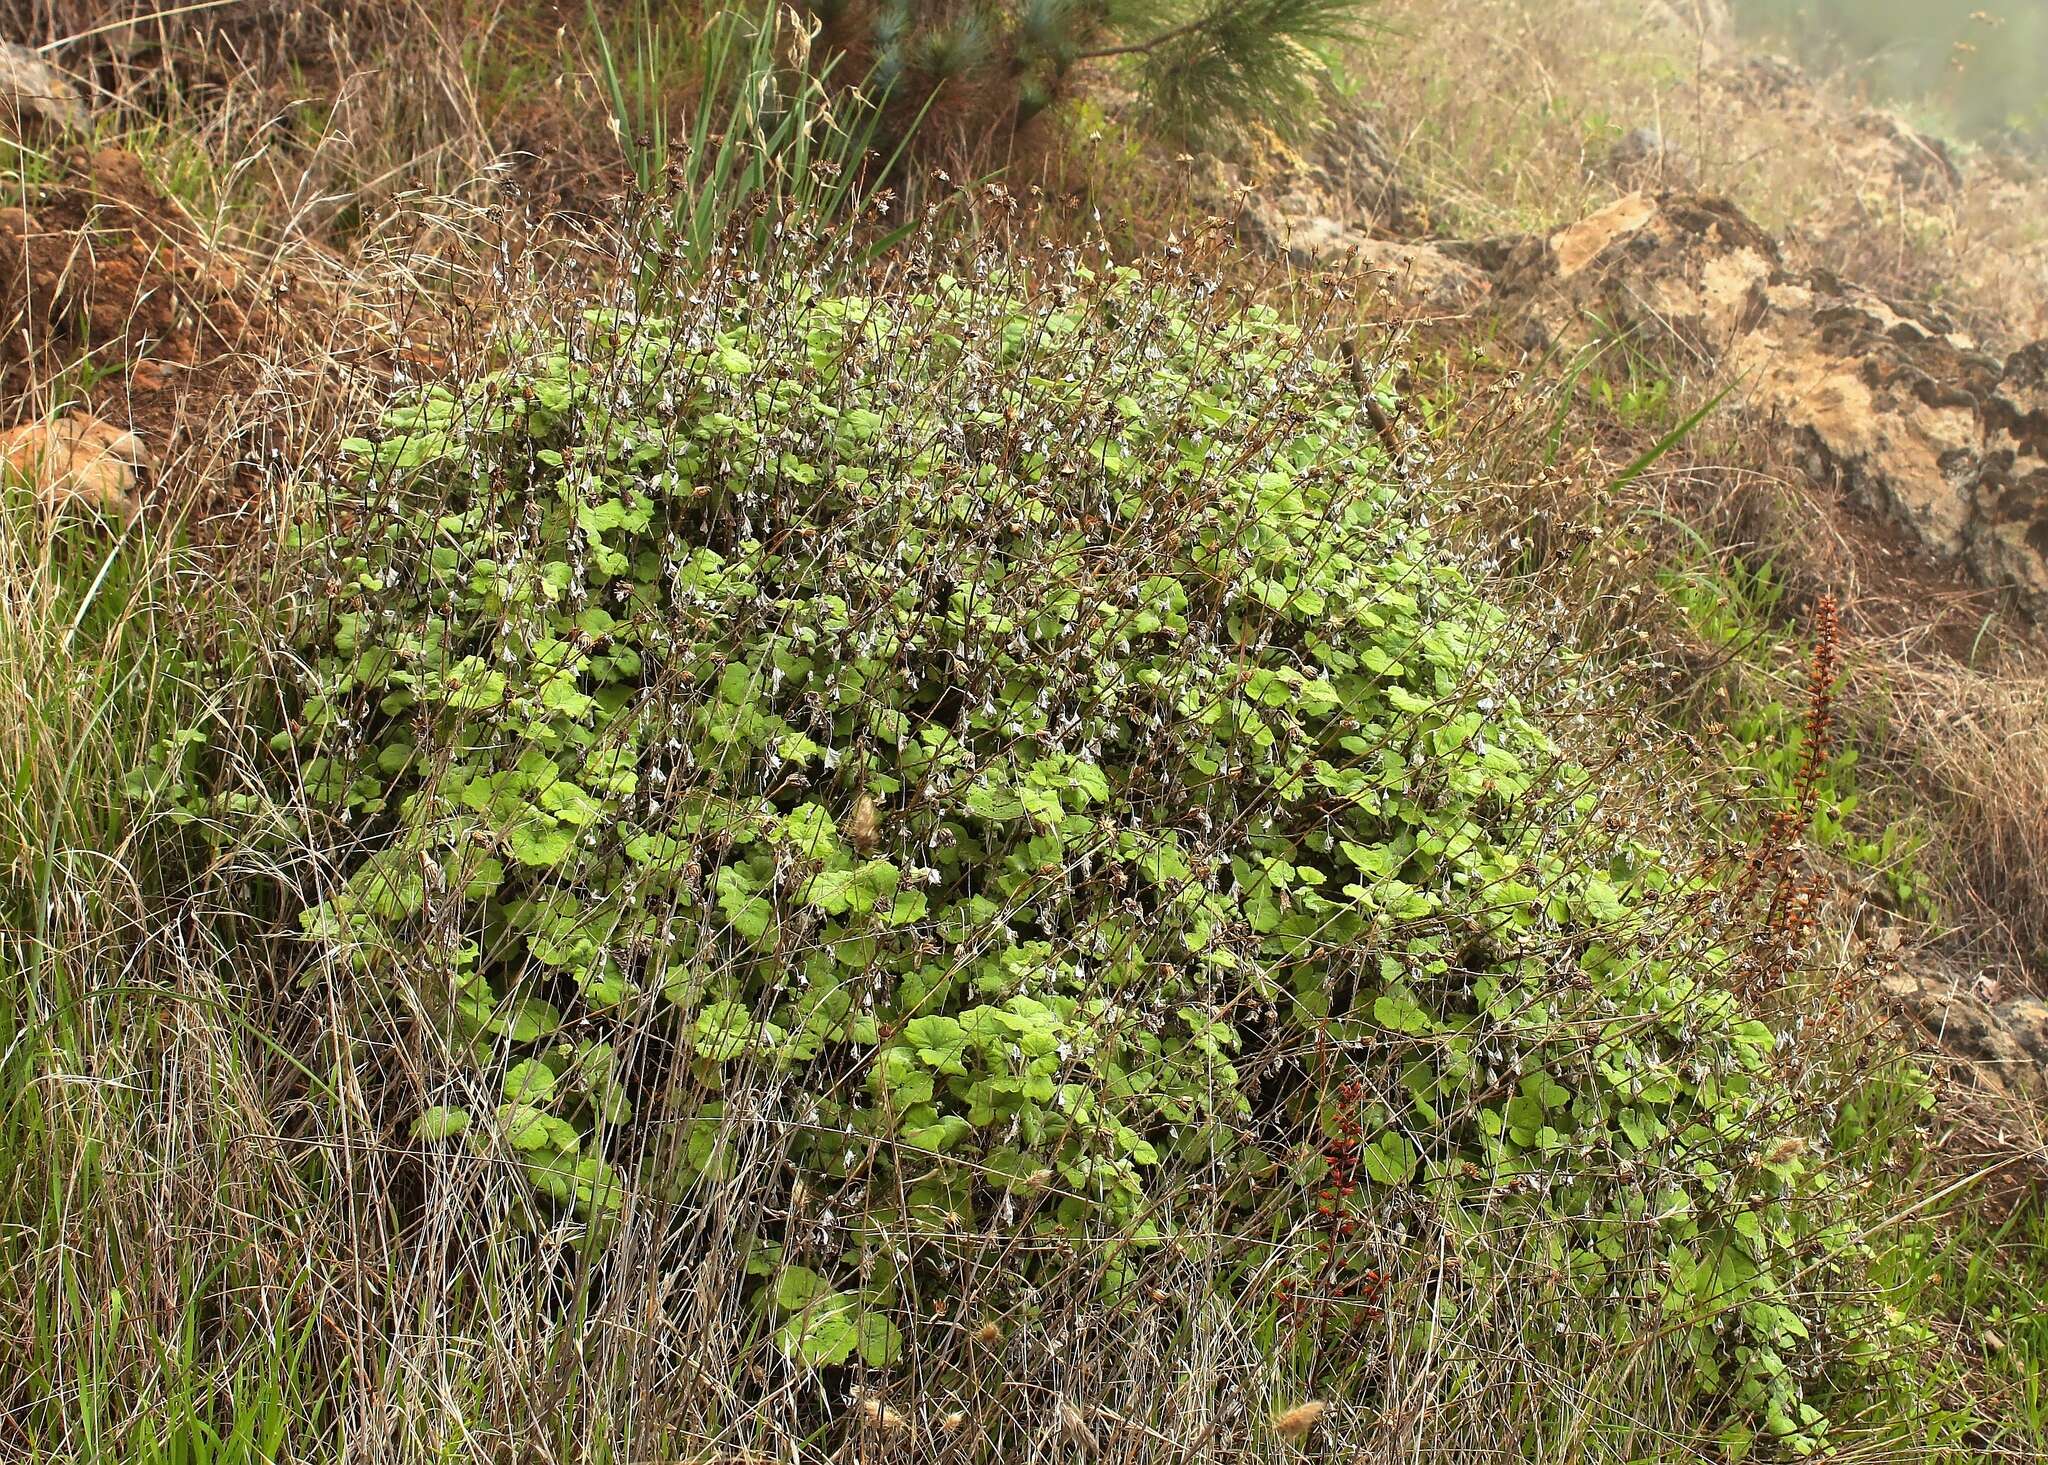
<point>1632,403</point>
<point>765,141</point>
<point>25,172</point>
<point>1767,739</point>
<point>74,384</point>
<point>1622,381</point>
<point>1737,607</point>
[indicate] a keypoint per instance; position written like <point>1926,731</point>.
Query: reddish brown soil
<point>109,298</point>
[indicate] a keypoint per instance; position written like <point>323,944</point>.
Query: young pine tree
<point>1198,63</point>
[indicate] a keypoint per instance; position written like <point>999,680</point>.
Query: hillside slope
<point>679,791</point>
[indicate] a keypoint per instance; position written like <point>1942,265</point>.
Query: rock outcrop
<point>1680,275</point>
<point>1881,146</point>
<point>1342,204</point>
<point>2002,1042</point>
<point>1889,401</point>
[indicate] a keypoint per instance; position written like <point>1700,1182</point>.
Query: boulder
<point>76,461</point>
<point>35,96</point>
<point>1335,206</point>
<point>1881,146</point>
<point>1682,272</point>
<point>2001,1042</point>
<point>1420,273</point>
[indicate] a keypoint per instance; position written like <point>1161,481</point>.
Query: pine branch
<point>1141,48</point>
<point>1244,57</point>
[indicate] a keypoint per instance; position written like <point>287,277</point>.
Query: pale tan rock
<point>1314,222</point>
<point>1891,403</point>
<point>2003,1045</point>
<point>1683,274</point>
<point>32,92</point>
<point>1415,274</point>
<point>1338,194</point>
<point>1577,245</point>
<point>1906,450</point>
<point>76,460</point>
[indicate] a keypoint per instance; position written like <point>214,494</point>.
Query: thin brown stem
<point>1136,48</point>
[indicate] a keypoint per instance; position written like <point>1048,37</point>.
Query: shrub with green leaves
<point>988,802</point>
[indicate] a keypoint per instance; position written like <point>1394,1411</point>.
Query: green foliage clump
<point>1740,609</point>
<point>1199,62</point>
<point>1000,790</point>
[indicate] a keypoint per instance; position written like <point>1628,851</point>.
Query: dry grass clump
<point>174,1274</point>
<point>1973,741</point>
<point>1512,116</point>
<point>288,120</point>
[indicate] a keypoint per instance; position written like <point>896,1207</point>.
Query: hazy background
<point>1979,67</point>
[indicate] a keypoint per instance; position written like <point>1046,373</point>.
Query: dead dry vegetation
<point>1525,117</point>
<point>220,1234</point>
